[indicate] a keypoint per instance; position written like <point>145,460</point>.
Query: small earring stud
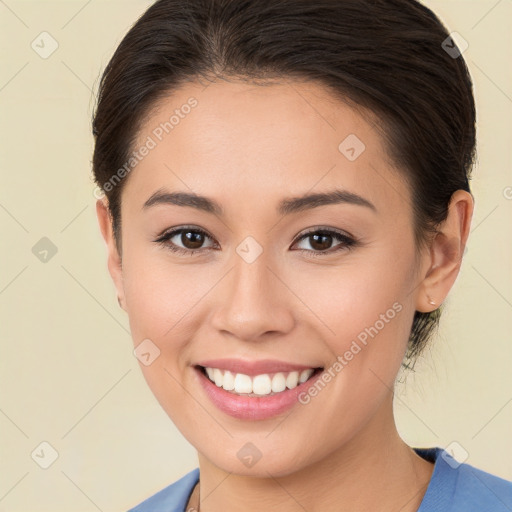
<point>430,301</point>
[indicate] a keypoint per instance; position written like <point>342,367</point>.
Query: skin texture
<point>248,147</point>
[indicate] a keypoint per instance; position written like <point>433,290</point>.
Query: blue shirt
<point>453,487</point>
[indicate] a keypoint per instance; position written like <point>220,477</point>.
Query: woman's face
<point>258,290</point>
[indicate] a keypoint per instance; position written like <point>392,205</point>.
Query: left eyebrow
<point>308,201</point>
<point>286,206</point>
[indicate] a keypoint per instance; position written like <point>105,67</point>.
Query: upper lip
<point>252,368</point>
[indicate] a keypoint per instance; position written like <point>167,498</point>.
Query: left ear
<point>445,253</point>
<point>113,257</point>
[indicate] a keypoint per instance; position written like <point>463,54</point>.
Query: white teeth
<point>305,374</point>
<point>292,380</point>
<point>261,385</point>
<point>243,383</point>
<point>278,382</point>
<point>229,381</point>
<point>217,377</point>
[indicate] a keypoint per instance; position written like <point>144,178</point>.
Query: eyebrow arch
<point>308,201</point>
<point>286,206</point>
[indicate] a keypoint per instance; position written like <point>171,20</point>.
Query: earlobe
<point>446,252</point>
<point>114,259</point>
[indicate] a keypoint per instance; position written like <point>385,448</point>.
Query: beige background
<point>68,374</point>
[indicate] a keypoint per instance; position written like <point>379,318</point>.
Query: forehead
<point>241,142</point>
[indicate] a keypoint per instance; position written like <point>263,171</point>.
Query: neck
<point>374,471</point>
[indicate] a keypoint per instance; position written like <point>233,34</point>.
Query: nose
<point>253,301</point>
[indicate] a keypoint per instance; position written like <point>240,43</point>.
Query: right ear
<point>114,259</point>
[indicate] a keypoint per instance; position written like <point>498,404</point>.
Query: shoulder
<point>478,490</point>
<point>172,498</point>
<point>456,486</point>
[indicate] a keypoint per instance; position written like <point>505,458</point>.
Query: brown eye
<point>321,241</point>
<point>186,240</point>
<point>192,239</point>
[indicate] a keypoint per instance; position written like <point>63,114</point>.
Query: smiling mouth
<point>265,384</point>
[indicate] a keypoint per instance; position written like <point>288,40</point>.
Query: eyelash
<point>347,242</point>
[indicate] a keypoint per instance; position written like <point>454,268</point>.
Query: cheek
<point>165,306</point>
<point>359,299</point>
<point>161,294</point>
<point>160,298</point>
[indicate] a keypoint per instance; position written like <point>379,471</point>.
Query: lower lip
<point>253,408</point>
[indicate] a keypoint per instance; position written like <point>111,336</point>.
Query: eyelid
<point>167,234</point>
<point>177,229</point>
<point>320,229</point>
<point>347,239</point>
<point>314,229</point>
